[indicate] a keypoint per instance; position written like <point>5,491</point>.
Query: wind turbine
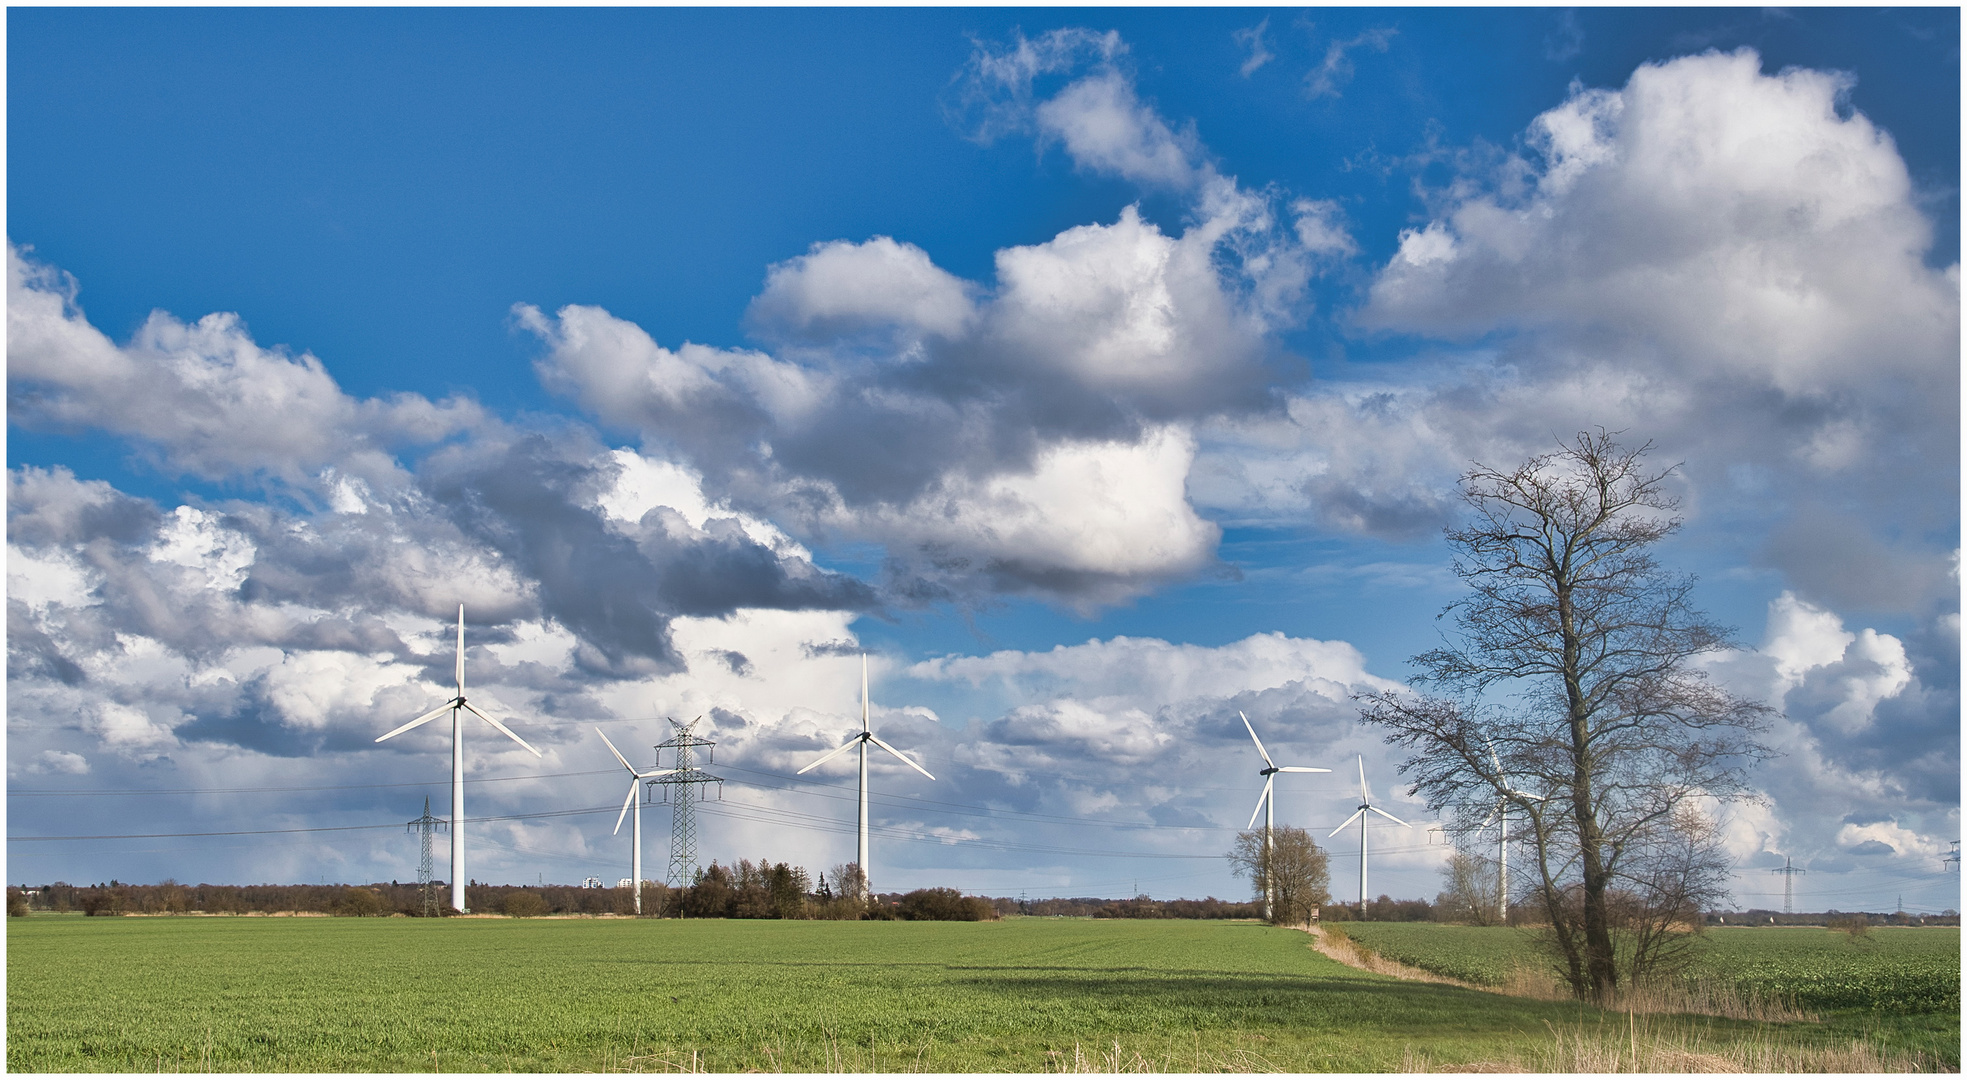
<point>1500,815</point>
<point>1265,804</point>
<point>457,707</point>
<point>1365,807</point>
<point>866,736</point>
<point>634,792</point>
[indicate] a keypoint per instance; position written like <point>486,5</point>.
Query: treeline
<point>1140,907</point>
<point>1387,909</point>
<point>747,890</point>
<point>1760,917</point>
<point>380,898</point>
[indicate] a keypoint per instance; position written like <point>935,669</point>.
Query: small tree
<point>849,899</point>
<point>1468,893</point>
<point>787,885</point>
<point>1570,693</point>
<point>709,897</point>
<point>1292,871</point>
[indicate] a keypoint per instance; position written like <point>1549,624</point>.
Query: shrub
<point>1856,926</point>
<point>525,905</point>
<point>358,902</point>
<point>945,905</point>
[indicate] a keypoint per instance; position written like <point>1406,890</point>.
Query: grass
<point>1028,995</point>
<point>1896,988</point>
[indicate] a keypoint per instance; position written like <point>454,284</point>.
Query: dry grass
<point>1650,1040</point>
<point>1117,1059</point>
<point>1701,998</point>
<point>1338,946</point>
<point>1644,1044</point>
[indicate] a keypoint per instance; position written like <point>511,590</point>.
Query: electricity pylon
<point>684,785</point>
<point>426,889</point>
<point>1789,880</point>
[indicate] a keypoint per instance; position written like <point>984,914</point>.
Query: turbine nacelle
<point>459,702</point>
<point>1365,806</point>
<point>861,739</point>
<point>634,778</point>
<point>457,706</point>
<point>1268,772</point>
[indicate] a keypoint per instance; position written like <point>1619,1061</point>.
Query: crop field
<point>1028,995</point>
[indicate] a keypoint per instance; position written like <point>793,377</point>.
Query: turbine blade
<point>502,728</point>
<point>876,740</point>
<point>1389,817</point>
<point>1343,824</point>
<point>831,754</point>
<point>1299,768</point>
<point>1261,799</point>
<point>625,804</point>
<point>460,650</point>
<point>655,772</point>
<point>1492,815</point>
<point>864,726</point>
<point>1363,796</point>
<point>431,715</point>
<point>1253,738</point>
<point>617,753</point>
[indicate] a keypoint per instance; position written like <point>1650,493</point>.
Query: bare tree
<point>1569,692</point>
<point>1468,891</point>
<point>1292,871</point>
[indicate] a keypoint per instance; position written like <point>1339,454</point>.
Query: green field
<point>297,994</point>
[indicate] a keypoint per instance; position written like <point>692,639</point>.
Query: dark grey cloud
<point>532,500</point>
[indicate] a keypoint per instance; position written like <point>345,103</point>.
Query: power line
<point>312,829</point>
<point>807,787</point>
<point>282,789</point>
<point>774,815</point>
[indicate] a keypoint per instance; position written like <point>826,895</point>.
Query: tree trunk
<point>1601,974</point>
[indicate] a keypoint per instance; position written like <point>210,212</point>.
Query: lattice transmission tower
<point>683,788</point>
<point>1789,881</point>
<point>426,888</point>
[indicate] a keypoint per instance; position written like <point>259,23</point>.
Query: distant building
<point>591,883</point>
<point>625,883</point>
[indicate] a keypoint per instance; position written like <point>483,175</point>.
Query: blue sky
<point>1101,371</point>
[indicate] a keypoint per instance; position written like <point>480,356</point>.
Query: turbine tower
<point>1365,807</point>
<point>1266,808</point>
<point>1500,815</point>
<point>457,707</point>
<point>634,796</point>
<point>866,736</point>
<point>683,782</point>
